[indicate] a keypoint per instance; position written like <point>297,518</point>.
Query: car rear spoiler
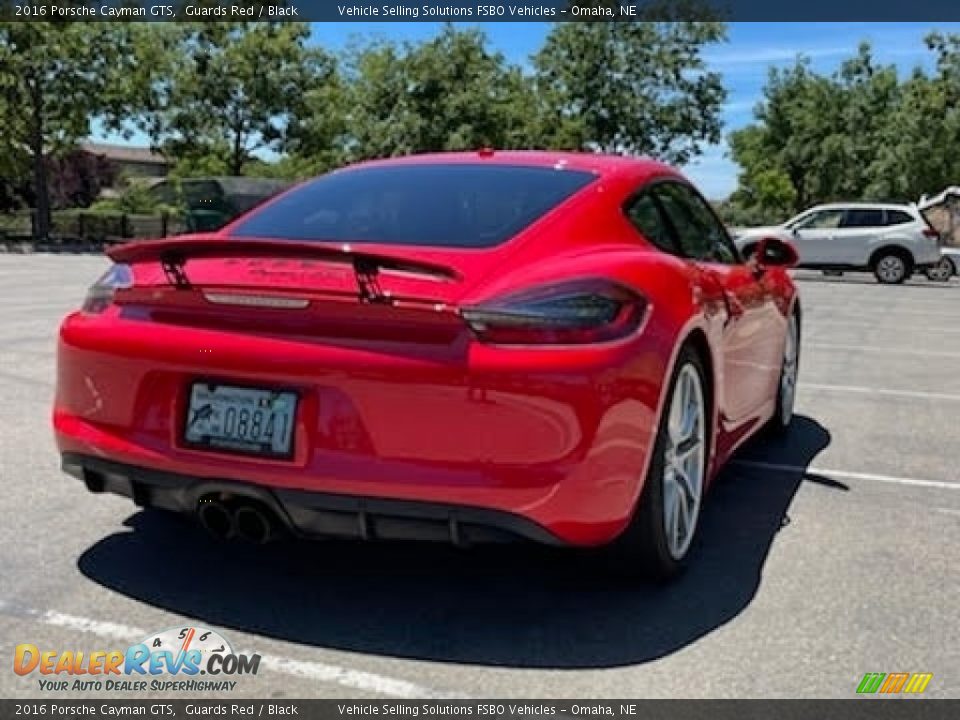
<point>173,254</point>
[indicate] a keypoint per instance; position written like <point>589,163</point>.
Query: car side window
<point>898,217</point>
<point>700,234</point>
<point>862,217</point>
<point>822,220</point>
<point>644,214</point>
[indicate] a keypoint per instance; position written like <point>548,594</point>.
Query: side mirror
<point>774,252</point>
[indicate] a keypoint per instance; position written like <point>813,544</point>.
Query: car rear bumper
<point>312,514</point>
<point>559,438</point>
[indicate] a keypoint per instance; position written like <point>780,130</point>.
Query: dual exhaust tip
<point>241,520</point>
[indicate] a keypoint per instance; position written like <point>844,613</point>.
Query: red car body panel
<point>404,402</point>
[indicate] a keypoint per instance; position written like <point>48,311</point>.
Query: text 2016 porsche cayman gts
<point>465,347</point>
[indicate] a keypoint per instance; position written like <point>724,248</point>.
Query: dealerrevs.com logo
<point>168,661</point>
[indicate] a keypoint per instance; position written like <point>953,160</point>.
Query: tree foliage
<point>54,77</point>
<point>229,89</point>
<point>630,88</point>
<point>860,133</point>
<point>915,152</point>
<point>231,98</point>
<point>448,93</point>
<point>134,198</point>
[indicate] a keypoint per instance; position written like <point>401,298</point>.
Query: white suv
<point>891,241</point>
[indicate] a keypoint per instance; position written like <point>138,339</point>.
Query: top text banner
<point>360,11</point>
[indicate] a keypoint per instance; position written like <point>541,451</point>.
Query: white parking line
<point>878,391</point>
<point>885,350</point>
<point>313,671</point>
<point>873,324</point>
<point>830,472</point>
<point>887,314</point>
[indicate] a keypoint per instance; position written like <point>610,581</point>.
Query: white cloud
<point>740,106</point>
<point>731,59</point>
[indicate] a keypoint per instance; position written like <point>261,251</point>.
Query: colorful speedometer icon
<point>183,639</point>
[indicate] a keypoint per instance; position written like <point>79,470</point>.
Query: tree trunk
<point>40,187</point>
<point>236,162</point>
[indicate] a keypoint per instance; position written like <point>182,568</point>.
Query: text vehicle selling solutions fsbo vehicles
<point>464,347</point>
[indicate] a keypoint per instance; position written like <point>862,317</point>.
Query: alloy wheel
<point>942,271</point>
<point>788,376</point>
<point>684,466</point>
<point>891,269</point>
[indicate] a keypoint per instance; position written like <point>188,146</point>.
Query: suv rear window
<point>862,217</point>
<point>898,217</point>
<point>443,205</point>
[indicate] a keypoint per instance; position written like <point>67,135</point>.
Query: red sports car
<point>466,347</point>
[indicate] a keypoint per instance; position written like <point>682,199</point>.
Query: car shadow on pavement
<point>514,606</point>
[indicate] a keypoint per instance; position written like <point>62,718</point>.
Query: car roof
<point>597,163</point>
<point>862,206</point>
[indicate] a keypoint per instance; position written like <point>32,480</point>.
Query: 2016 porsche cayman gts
<point>467,347</point>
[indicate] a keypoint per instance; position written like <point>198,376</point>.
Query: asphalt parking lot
<point>822,557</point>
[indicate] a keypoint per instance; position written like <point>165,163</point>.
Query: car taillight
<point>931,233</point>
<point>100,294</point>
<point>571,313</point>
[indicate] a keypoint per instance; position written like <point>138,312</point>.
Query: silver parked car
<point>891,241</point>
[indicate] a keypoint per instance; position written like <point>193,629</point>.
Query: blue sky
<point>751,48</point>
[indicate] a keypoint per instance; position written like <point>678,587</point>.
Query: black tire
<point>642,551</point>
<point>892,267</point>
<point>779,423</point>
<point>942,271</point>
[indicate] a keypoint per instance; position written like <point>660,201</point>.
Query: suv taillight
<point>931,233</point>
<point>100,294</point>
<point>569,313</point>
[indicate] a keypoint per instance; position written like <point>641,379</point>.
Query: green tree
<point>915,152</point>
<point>630,87</point>
<point>232,87</point>
<point>135,198</point>
<point>870,96</point>
<point>858,134</point>
<point>764,192</point>
<point>465,95</point>
<point>53,78</point>
<point>814,137</point>
<point>795,134</point>
<point>448,93</point>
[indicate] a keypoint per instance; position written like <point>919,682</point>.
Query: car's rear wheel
<point>892,267</point>
<point>942,271</point>
<point>789,371</point>
<point>661,534</point>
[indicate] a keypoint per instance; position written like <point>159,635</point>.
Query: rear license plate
<point>256,421</point>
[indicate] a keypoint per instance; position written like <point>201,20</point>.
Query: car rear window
<point>443,205</point>
<point>898,217</point>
